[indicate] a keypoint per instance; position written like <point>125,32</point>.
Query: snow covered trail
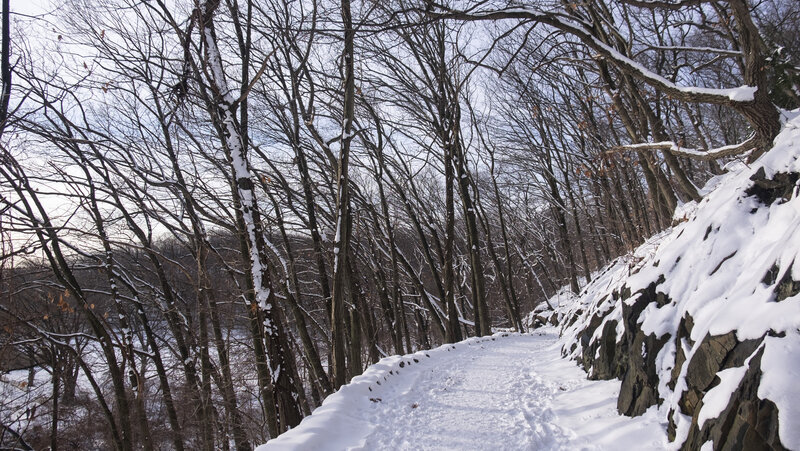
<point>488,398</point>
<point>506,392</point>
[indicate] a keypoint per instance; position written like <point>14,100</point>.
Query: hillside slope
<point>703,321</point>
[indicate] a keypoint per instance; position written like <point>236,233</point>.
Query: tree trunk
<point>341,242</point>
<point>453,330</point>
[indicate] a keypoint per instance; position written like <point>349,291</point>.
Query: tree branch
<point>695,154</point>
<point>582,31</point>
<point>665,4</point>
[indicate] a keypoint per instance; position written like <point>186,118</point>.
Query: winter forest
<point>214,214</point>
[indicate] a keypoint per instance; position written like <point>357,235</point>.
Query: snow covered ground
<point>509,391</point>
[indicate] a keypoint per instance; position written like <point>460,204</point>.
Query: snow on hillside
<point>725,272</point>
<point>723,267</point>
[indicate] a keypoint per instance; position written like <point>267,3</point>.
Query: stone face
<point>680,359</point>
<point>708,359</point>
<point>747,423</point>
<point>639,388</point>
<point>787,287</point>
<point>540,321</point>
<point>545,318</point>
<point>585,338</point>
<point>684,334</point>
<point>714,354</point>
<point>606,365</point>
<point>690,400</point>
<point>631,359</point>
<point>780,186</point>
<point>741,352</point>
<point>574,318</point>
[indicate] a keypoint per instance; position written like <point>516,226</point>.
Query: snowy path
<point>500,393</point>
<point>489,398</point>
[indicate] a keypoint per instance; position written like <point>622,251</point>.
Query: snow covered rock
<point>540,317</point>
<point>703,321</point>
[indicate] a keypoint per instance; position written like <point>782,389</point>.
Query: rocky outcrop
<point>702,324</point>
<point>778,187</point>
<point>746,423</point>
<point>548,318</point>
<point>639,388</point>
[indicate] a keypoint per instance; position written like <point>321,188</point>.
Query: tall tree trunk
<point>558,208</point>
<point>482,321</point>
<point>5,66</point>
<point>453,330</point>
<point>587,271</point>
<point>365,321</point>
<point>56,384</point>
<point>283,404</point>
<point>355,344</point>
<point>293,296</point>
<point>341,242</point>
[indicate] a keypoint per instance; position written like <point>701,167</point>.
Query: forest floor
<point>510,391</point>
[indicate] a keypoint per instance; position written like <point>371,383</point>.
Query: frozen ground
<point>505,392</point>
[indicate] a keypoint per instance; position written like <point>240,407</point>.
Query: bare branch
<point>725,52</point>
<point>255,79</point>
<point>695,154</point>
<point>582,31</point>
<point>665,4</point>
